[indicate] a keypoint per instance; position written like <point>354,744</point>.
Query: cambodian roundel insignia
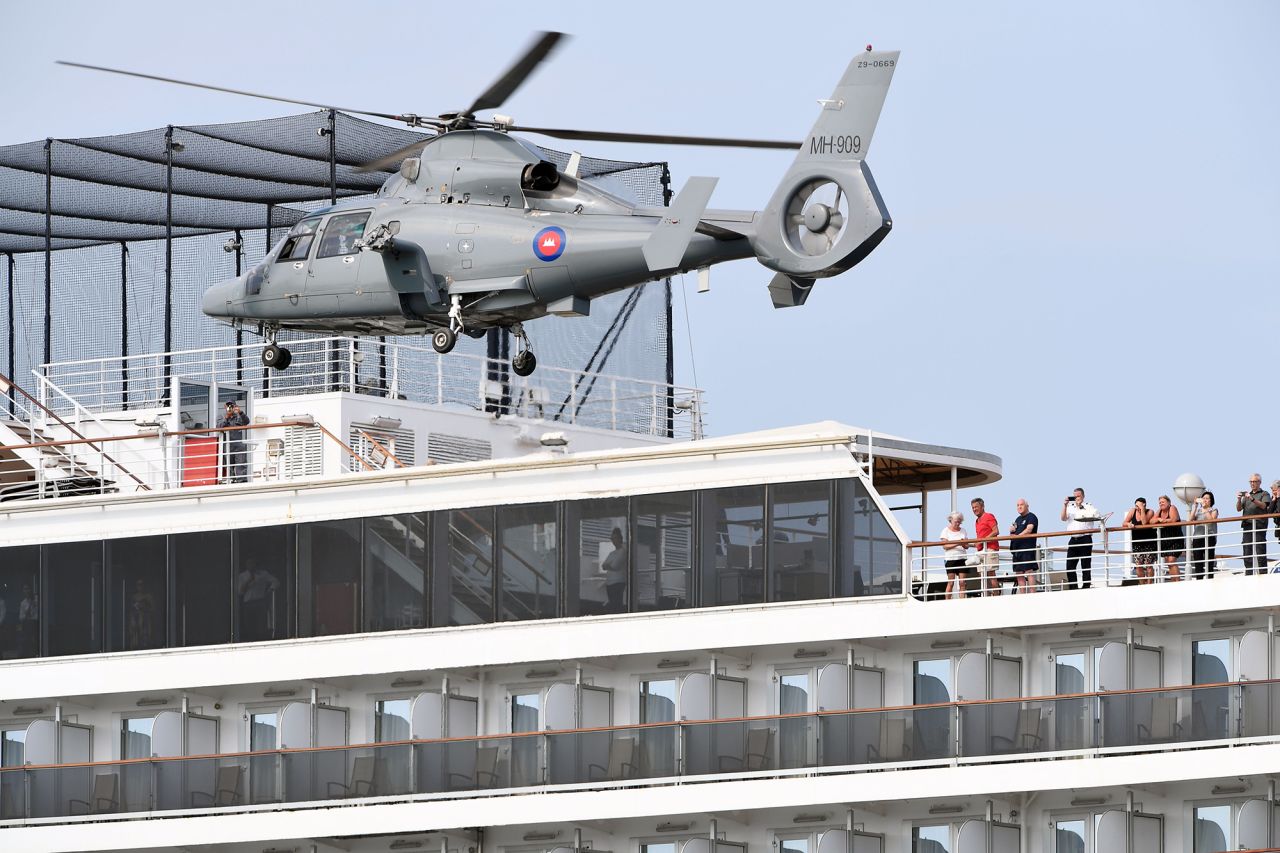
<point>548,244</point>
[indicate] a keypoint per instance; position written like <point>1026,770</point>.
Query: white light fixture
<point>811,653</point>
<point>149,701</point>
<point>1188,487</point>
<point>384,422</point>
<point>279,693</point>
<point>1088,801</point>
<point>672,663</point>
<point>407,682</point>
<point>553,439</point>
<point>300,420</point>
<point>946,644</point>
<point>1229,623</point>
<point>404,844</point>
<point>542,673</point>
<point>541,836</point>
<point>1086,633</point>
<point>672,827</point>
<point>28,711</point>
<point>1229,789</point>
<point>809,818</point>
<point>946,808</point>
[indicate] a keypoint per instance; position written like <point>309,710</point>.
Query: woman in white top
<point>955,552</point>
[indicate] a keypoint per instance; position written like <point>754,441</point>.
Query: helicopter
<point>477,230</point>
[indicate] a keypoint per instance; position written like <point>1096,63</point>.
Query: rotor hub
<point>817,217</point>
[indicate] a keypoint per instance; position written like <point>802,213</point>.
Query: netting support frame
<point>665,180</point>
<point>124,324</point>
<point>48,249</point>
<point>12,338</point>
<point>168,248</point>
<point>239,238</point>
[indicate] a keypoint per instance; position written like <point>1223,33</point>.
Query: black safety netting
<point>103,210</point>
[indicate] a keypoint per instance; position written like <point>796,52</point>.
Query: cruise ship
<point>442,613</point>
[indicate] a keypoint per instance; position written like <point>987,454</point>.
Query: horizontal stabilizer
<point>664,250</point>
<point>788,292</point>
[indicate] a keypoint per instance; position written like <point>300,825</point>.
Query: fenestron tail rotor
<point>816,217</point>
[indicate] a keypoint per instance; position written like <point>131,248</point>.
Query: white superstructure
<point>591,638</point>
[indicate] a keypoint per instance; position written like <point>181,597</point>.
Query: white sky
<point>1086,197</point>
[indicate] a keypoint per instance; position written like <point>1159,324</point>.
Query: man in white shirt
<point>1082,520</point>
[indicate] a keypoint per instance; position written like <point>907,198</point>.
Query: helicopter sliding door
<point>335,268</point>
<point>286,277</point>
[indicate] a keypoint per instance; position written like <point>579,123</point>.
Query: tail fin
<point>827,214</point>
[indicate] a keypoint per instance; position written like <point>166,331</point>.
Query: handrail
<point>1097,530</point>
<point>834,712</point>
<point>377,444</point>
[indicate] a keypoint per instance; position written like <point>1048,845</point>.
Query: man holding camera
<point>1082,521</point>
<point>1254,502</point>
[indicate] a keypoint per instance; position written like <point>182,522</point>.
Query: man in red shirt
<point>988,552</point>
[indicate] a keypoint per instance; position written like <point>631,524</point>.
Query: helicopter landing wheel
<point>443,340</point>
<point>523,363</point>
<point>276,357</point>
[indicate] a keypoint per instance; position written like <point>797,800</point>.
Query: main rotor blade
<point>658,138</point>
<point>413,149</point>
<point>504,86</point>
<point>233,91</point>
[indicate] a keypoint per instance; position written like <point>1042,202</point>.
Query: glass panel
<point>73,590</point>
<point>932,685</point>
<point>528,558</point>
<point>658,701</point>
<point>1210,661</point>
<point>135,737</point>
<point>264,583</point>
<point>793,735</point>
<point>597,575</point>
<point>657,745</point>
<point>1068,836</point>
<point>800,547</point>
<point>13,747</point>
<point>733,546</point>
<point>203,584</point>
<point>341,234</point>
<point>20,602</point>
<point>931,839</point>
<point>395,563</point>
<point>1073,718</point>
<point>263,769</point>
<point>870,553</point>
<point>658,847</point>
<point>329,577</point>
<point>1212,829</point>
<point>136,593</point>
<point>299,240</point>
<point>1211,707</point>
<point>663,550</point>
<point>526,752</point>
<point>391,720</point>
<point>462,576</point>
<point>794,845</point>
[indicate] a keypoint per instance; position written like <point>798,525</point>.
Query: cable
<point>688,332</point>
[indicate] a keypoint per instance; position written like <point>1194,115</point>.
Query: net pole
<point>124,324</point>
<point>168,255</point>
<point>239,331</point>
<point>335,374</point>
<point>671,366</point>
<point>266,371</point>
<point>12,339</point>
<point>48,250</point>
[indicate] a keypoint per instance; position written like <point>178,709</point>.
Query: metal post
<point>331,132</point>
<point>12,340</point>
<point>48,250</point>
<point>671,362</point>
<point>239,332</point>
<point>168,245</point>
<point>124,324</point>
<point>266,371</point>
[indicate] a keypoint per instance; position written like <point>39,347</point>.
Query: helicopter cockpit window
<point>341,234</point>
<point>298,243</point>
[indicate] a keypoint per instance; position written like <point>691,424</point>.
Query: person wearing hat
<point>237,469</point>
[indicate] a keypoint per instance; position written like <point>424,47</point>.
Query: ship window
<point>298,243</point>
<point>202,588</point>
<point>72,592</point>
<point>663,550</point>
<point>136,593</point>
<point>800,547</point>
<point>462,591</point>
<point>263,769</point>
<point>391,720</point>
<point>527,557</point>
<point>1210,706</point>
<point>329,577</point>
<point>1069,836</point>
<point>598,571</point>
<point>931,839</point>
<point>395,549</point>
<point>1212,829</point>
<point>341,234</point>
<point>659,847</point>
<point>264,583</point>
<point>20,602</point>
<point>658,744</point>
<point>870,553</point>
<point>733,540</point>
<point>931,727</point>
<point>794,844</point>
<point>795,735</point>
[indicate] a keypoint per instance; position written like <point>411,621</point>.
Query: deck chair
<point>1027,738</point>
<point>621,762</point>
<point>1163,725</point>
<point>105,797</point>
<point>893,741</point>
<point>757,756</point>
<point>361,784</point>
<point>226,788</point>
<point>486,768</point>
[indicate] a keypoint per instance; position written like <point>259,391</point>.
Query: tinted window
<point>597,559</point>
<point>800,546</point>
<point>20,602</point>
<point>663,550</point>
<point>870,553</point>
<point>298,243</point>
<point>733,543</point>
<point>136,593</point>
<point>329,577</point>
<point>527,559</point>
<point>341,234</point>
<point>462,592</point>
<point>72,591</point>
<point>203,588</point>
<point>395,565</point>
<point>264,583</point>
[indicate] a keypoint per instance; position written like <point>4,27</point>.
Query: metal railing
<point>392,369</point>
<point>1031,728</point>
<point>1109,556</point>
<point>158,460</point>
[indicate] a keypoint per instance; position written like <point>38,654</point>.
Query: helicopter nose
<point>217,300</point>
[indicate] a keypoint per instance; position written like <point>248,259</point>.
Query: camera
<point>1068,499</point>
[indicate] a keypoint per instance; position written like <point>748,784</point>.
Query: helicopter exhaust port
<point>540,177</point>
